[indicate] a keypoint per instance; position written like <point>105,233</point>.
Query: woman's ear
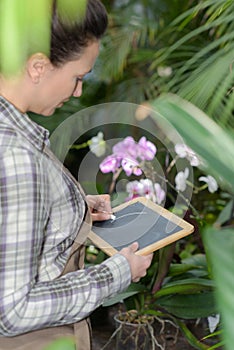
<point>37,65</point>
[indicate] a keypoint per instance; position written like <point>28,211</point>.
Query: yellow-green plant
<point>25,29</point>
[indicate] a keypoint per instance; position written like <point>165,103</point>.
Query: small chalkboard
<point>141,220</point>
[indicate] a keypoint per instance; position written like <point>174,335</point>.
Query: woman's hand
<point>138,264</point>
<point>100,206</point>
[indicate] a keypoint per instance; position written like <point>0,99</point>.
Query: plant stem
<point>114,178</point>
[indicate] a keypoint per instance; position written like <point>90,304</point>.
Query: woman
<point>45,292</point>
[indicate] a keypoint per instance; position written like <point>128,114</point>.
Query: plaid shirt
<point>41,212</point>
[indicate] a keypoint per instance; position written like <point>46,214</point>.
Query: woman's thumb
<point>134,247</point>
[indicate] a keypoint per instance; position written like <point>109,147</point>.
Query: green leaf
<point>199,260</point>
<point>12,36</point>
<point>220,244</point>
<point>217,346</point>
<point>179,269</point>
<point>189,306</point>
<point>37,25</point>
<point>195,263</point>
<point>190,285</point>
<point>71,10</point>
<point>225,214</point>
<point>25,29</point>
<point>212,335</point>
<point>132,290</point>
<point>189,336</point>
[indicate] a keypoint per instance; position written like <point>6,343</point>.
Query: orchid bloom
<point>127,154</point>
<point>160,193</point>
<point>110,164</point>
<point>146,188</point>
<point>131,166</point>
<point>211,183</point>
<point>184,151</point>
<point>146,149</point>
<point>97,144</point>
<point>134,189</point>
<point>126,148</point>
<point>181,179</point>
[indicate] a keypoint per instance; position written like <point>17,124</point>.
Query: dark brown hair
<point>68,39</point>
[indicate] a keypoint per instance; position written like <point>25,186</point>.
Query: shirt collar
<point>33,132</point>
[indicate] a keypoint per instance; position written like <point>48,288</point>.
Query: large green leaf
<point>181,269</point>
<point>132,290</point>
<point>195,264</point>
<point>69,9</point>
<point>189,306</point>
<point>216,147</point>
<point>190,285</point>
<point>25,29</point>
<point>220,245</point>
<point>12,36</point>
<point>226,214</point>
<point>212,143</point>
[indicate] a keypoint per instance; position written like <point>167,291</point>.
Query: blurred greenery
<point>220,245</point>
<point>211,142</point>
<point>163,46</point>
<point>25,29</point>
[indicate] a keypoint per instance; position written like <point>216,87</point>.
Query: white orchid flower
<point>181,179</point>
<point>160,193</point>
<point>211,182</point>
<point>184,151</point>
<point>97,144</point>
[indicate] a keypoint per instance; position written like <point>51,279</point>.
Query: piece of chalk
<point>113,217</point>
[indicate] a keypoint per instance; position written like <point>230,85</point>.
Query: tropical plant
<point>205,139</point>
<point>133,36</point>
<point>204,76</point>
<point>165,46</point>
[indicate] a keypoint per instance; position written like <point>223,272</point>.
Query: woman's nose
<point>78,90</point>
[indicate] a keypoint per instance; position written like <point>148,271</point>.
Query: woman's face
<point>58,84</point>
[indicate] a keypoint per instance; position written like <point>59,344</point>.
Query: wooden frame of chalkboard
<point>141,220</point>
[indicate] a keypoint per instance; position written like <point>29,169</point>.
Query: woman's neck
<point>12,91</point>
